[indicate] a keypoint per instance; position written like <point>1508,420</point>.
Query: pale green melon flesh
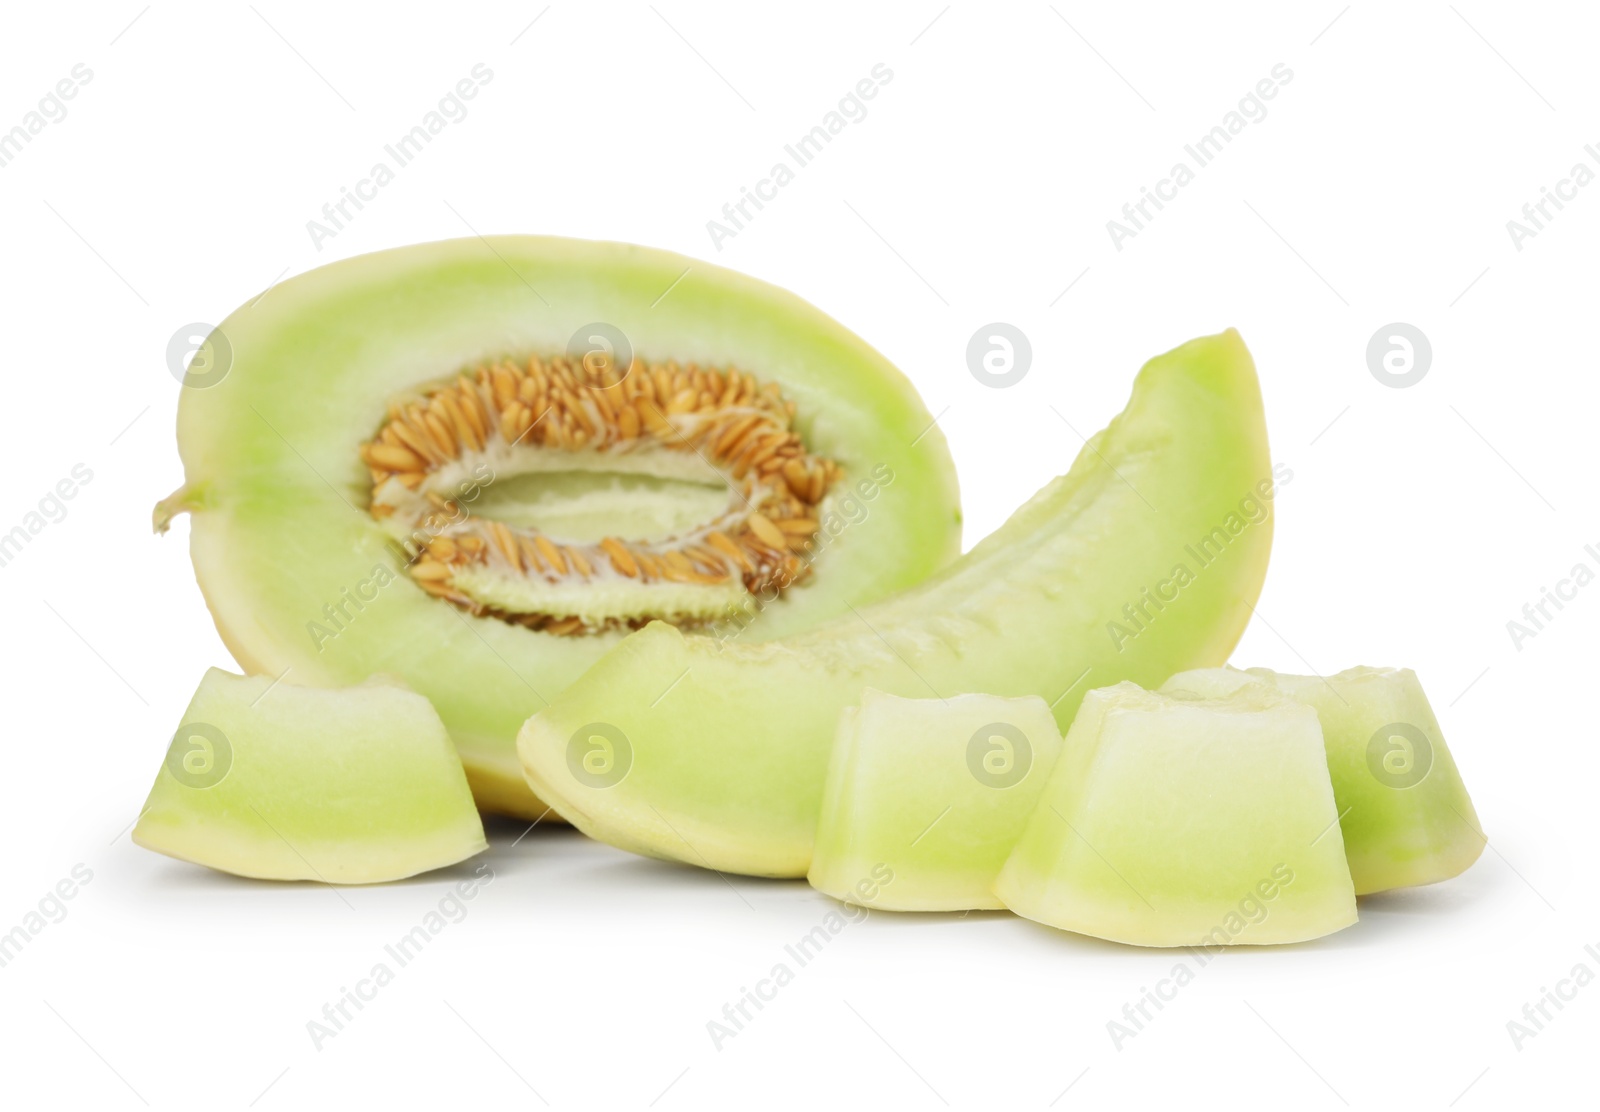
<point>350,786</point>
<point>1184,822</point>
<point>586,503</point>
<point>278,492</point>
<point>1397,833</point>
<point>582,497</point>
<point>934,790</point>
<point>730,741</point>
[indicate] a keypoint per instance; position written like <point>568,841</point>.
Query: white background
<point>1418,522</point>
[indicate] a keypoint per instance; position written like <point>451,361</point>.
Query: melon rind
<point>730,741</point>
<point>350,786</point>
<point>909,791</point>
<point>1180,821</point>
<point>277,490</point>
<point>1396,834</point>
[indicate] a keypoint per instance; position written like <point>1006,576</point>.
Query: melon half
<point>476,464</point>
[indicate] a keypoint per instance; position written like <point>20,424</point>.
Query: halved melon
<point>476,464</point>
<point>1143,560</point>
<point>1405,811</point>
<point>926,797</point>
<point>1181,821</point>
<point>273,780</point>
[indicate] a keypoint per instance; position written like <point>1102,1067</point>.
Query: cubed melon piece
<point>1405,811</point>
<point>925,797</point>
<point>349,786</point>
<point>1180,821</point>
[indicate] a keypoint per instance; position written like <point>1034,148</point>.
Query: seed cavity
<point>515,417</point>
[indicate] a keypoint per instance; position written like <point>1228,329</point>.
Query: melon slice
<point>1143,560</point>
<point>281,782</point>
<point>1406,814</point>
<point>1180,821</point>
<point>925,798</point>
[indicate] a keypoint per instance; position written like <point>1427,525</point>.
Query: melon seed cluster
<point>740,428</point>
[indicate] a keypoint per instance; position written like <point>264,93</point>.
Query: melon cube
<point>1180,821</point>
<point>1406,814</point>
<point>925,798</point>
<point>348,786</point>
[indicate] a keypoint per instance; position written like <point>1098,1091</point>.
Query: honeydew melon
<point>282,782</point>
<point>1405,811</point>
<point>1143,560</point>
<point>935,790</point>
<point>494,373</point>
<point>1181,821</point>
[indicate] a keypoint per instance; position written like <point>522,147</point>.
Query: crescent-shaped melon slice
<point>1145,559</point>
